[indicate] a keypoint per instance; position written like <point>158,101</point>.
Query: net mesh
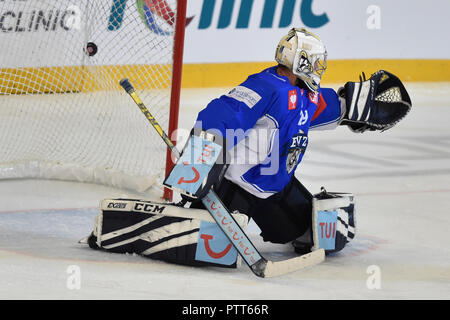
<point>63,114</point>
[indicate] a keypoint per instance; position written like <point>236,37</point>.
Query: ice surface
<point>401,180</point>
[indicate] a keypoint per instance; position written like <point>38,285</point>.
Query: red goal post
<point>176,84</point>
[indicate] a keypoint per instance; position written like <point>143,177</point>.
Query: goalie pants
<point>282,217</point>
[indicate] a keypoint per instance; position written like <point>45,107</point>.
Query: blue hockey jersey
<point>266,121</point>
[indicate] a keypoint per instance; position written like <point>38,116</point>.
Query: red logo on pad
<point>211,253</point>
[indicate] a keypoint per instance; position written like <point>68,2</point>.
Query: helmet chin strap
<point>301,84</point>
<point>304,85</point>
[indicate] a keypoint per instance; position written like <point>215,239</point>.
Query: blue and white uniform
<point>266,122</point>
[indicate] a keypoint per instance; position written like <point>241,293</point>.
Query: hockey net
<point>63,114</point>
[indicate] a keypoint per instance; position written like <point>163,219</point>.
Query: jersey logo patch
<point>292,99</point>
<point>295,149</point>
<point>313,97</point>
<point>245,95</point>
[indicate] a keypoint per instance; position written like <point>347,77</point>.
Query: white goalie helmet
<point>304,54</point>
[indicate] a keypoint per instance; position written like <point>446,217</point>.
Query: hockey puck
<point>91,49</point>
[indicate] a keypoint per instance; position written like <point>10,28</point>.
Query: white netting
<point>63,114</point>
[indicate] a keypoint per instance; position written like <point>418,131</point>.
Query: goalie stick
<point>260,266</point>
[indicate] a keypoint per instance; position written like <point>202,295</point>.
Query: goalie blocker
<point>202,165</point>
<point>164,232</point>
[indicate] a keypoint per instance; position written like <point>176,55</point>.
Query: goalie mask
<point>304,54</point>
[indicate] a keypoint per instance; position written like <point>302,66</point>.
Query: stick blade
<point>278,268</point>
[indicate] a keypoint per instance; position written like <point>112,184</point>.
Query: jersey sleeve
<point>329,111</point>
<point>240,109</point>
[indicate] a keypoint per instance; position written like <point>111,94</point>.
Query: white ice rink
<point>400,178</point>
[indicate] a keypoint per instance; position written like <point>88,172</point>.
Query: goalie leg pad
<point>334,223</point>
<point>163,232</point>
